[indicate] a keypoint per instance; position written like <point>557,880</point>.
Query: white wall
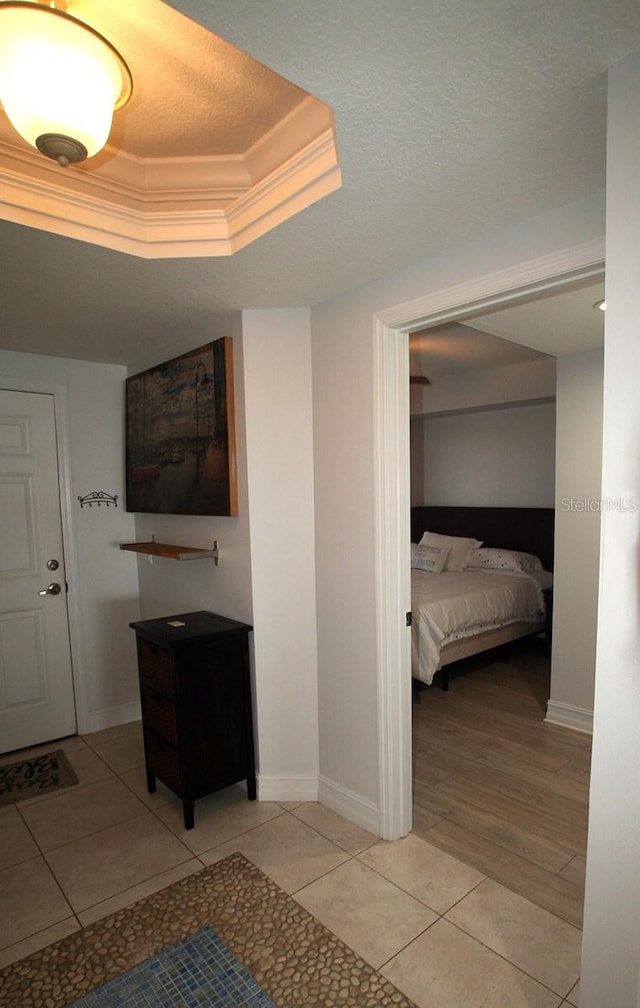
<point>103,585</point>
<point>578,484</point>
<point>343,475</point>
<point>487,458</point>
<point>612,902</point>
<point>277,374</point>
<point>266,573</point>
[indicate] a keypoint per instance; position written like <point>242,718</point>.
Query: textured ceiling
<point>453,120</point>
<point>195,94</point>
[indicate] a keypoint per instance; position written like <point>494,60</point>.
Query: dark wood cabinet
<point>195,694</point>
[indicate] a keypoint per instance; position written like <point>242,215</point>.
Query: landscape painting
<point>180,435</point>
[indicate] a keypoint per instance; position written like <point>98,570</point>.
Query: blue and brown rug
<point>225,937</point>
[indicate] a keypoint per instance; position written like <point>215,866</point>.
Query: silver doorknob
<point>52,589</point>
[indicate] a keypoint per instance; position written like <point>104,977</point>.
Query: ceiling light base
<point>63,149</point>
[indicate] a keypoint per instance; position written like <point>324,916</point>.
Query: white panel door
<point>36,686</point>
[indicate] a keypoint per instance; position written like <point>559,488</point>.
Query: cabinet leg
<point>151,783</point>
<point>187,812</point>
<point>251,787</point>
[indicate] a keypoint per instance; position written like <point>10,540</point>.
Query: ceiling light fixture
<point>601,305</point>
<point>60,81</point>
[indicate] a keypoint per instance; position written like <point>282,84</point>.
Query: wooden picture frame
<point>180,435</point>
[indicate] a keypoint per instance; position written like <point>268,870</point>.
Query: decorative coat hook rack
<point>99,497</point>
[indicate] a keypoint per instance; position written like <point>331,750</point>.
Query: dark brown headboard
<point>530,530</point>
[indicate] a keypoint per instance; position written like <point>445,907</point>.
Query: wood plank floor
<point>496,787</point>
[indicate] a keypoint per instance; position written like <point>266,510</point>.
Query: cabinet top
<point>172,630</point>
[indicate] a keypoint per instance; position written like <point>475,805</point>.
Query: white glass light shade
<point>59,79</point>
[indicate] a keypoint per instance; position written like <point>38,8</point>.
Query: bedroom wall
<point>103,584</point>
<point>502,457</point>
<point>529,381</point>
<point>578,512</point>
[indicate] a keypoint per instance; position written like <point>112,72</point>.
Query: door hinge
<point>409,619</point>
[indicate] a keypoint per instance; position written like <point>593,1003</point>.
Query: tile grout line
<point>509,961</point>
<point>42,856</point>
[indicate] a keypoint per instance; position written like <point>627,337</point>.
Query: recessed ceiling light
<point>601,305</point>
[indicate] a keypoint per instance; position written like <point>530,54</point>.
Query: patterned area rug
<point>36,775</point>
<point>292,957</point>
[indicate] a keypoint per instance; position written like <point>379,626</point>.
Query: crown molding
<point>177,207</point>
<point>577,262</point>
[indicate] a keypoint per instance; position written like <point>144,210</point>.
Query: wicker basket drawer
<point>154,664</point>
<point>163,762</point>
<point>159,713</point>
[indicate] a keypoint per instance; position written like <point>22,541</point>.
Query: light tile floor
<point>442,932</point>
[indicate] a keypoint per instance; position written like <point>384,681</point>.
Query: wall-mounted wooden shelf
<point>172,552</point>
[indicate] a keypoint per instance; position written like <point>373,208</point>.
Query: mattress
<point>455,604</point>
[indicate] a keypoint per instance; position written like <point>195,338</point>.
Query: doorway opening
<point>527,280</point>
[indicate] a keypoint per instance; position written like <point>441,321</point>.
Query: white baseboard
<point>570,717</point>
<point>353,807</point>
<point>285,787</point>
<point>109,717</point>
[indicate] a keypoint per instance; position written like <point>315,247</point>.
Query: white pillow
<point>459,548</point>
<point>489,558</point>
<point>429,558</point>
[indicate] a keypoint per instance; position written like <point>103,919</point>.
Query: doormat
<point>293,958</point>
<point>34,775</point>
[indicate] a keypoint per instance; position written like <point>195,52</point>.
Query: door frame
<point>391,329</point>
<point>58,391</point>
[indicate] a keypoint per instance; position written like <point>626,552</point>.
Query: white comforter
<point>456,604</point>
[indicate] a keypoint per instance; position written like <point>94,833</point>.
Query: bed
<point>463,612</point>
